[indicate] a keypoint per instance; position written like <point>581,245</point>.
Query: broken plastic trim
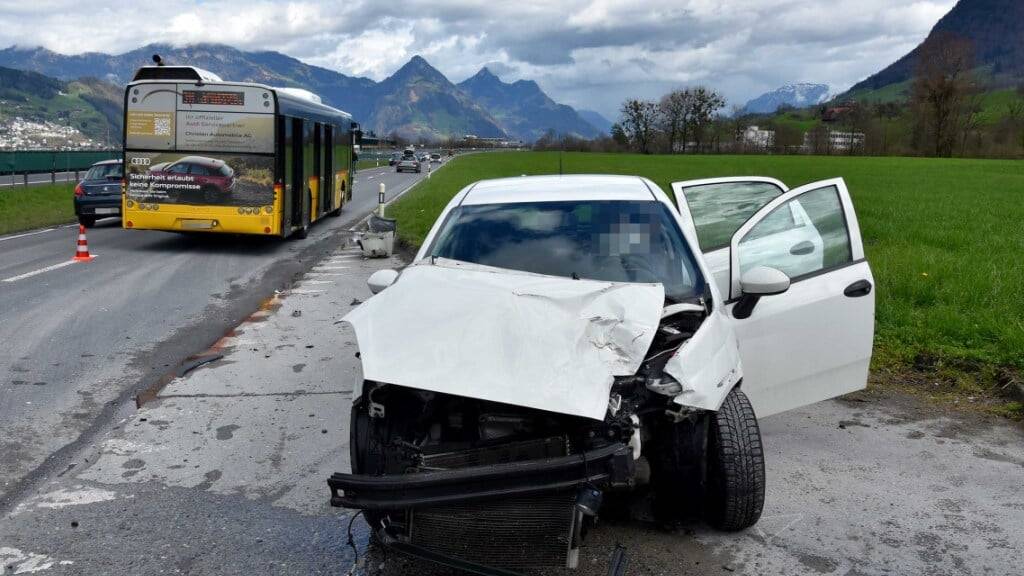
<point>610,465</point>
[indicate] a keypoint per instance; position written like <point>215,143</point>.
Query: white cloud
<point>588,53</point>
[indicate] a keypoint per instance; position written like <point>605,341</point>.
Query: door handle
<point>858,288</point>
<point>802,248</point>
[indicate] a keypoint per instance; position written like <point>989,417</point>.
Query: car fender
<point>708,364</point>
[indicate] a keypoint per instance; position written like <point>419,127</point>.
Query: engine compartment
<point>408,433</point>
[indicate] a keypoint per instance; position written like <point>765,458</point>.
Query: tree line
<point>939,113</point>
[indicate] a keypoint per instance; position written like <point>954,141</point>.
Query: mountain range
<point>798,95</point>
<point>996,29</point>
<point>416,101</point>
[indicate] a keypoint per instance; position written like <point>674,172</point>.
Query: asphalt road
<point>81,340</point>
<point>224,473</point>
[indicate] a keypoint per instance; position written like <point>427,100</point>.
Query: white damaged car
<point>561,342</point>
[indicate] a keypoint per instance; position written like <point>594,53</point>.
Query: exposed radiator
<point>519,532</point>
<point>514,533</point>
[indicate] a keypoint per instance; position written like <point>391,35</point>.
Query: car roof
<point>105,162</point>
<point>563,187</point>
<point>200,160</point>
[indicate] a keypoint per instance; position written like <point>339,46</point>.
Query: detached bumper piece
<point>611,466</point>
<point>491,519</point>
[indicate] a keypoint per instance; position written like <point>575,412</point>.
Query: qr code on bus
<point>161,126</point>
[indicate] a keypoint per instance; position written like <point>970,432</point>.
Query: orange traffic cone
<point>82,253</point>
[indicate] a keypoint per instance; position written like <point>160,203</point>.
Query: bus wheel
<point>303,232</point>
<point>335,213</point>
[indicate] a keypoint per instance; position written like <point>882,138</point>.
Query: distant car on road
<point>409,164</point>
<point>435,158</point>
<point>214,177</point>
<point>393,159</point>
<point>424,158</point>
<point>98,195</point>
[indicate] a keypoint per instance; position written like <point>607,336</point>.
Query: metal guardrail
<point>49,161</point>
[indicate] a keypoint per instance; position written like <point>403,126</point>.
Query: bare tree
<point>638,122</point>
<point>941,91</point>
<point>619,135</point>
<point>703,107</point>
<point>674,111</point>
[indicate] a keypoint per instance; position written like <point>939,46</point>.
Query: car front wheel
<point>735,465</point>
<point>87,221</point>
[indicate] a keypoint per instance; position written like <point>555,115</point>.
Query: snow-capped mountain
<point>797,95</point>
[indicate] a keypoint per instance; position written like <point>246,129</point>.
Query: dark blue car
<point>98,195</point>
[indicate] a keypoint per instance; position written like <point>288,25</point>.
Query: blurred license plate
<point>107,210</point>
<point>197,224</point>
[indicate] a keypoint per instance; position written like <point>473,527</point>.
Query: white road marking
<point>40,271</point>
<point>301,291</point>
<point>325,274</point>
<point>64,497</point>
<point>24,562</point>
<point>331,267</point>
<point>304,282</point>
<point>26,234</point>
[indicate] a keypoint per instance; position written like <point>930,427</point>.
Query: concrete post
<point>380,201</point>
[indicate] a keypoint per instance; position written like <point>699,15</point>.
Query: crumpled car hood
<point>536,341</point>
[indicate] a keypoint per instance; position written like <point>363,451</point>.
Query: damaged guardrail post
<point>378,241</point>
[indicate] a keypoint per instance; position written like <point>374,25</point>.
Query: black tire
<point>735,466</point>
<point>87,221</point>
<point>211,194</point>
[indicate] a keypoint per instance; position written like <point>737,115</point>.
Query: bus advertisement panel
<point>195,179</point>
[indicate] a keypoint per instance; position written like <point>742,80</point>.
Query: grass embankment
<point>944,237</point>
<point>23,208</point>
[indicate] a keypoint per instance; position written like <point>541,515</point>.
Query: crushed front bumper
<point>493,519</point>
<point>610,466</point>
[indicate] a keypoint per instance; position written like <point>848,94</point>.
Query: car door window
<point>199,170</point>
<point>719,209</point>
<point>802,236</point>
<point>178,169</point>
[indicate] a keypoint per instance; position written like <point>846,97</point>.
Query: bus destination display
<point>212,98</point>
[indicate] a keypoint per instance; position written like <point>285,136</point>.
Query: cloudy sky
<point>587,53</point>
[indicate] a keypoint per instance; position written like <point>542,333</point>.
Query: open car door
<point>716,207</point>
<point>812,340</point>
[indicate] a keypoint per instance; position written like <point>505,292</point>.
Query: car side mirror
<point>755,283</point>
<point>381,279</point>
<point>764,281</point>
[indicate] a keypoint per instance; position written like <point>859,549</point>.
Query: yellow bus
<point>205,155</point>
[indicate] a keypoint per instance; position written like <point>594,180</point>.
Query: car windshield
<point>617,241</point>
<point>104,171</point>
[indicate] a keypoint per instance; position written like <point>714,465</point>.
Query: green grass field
<point>23,208</point>
<point>944,238</point>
